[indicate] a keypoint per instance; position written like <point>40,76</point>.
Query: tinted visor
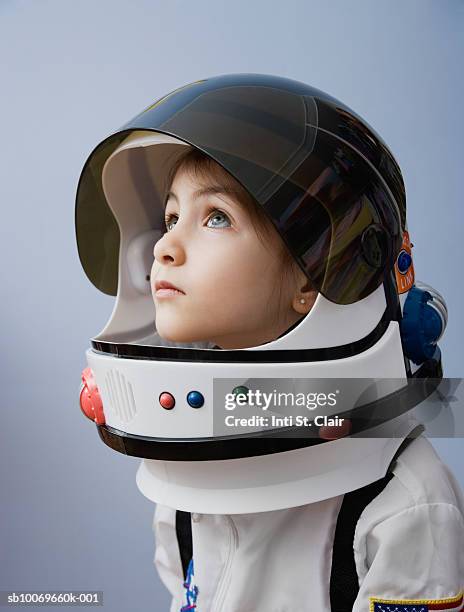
<point>336,202</point>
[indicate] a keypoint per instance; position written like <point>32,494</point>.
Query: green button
<point>240,391</point>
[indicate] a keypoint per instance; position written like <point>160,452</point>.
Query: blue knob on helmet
<point>424,320</point>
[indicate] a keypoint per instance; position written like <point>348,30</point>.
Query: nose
<point>169,250</point>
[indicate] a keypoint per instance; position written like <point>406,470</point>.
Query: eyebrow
<point>211,190</point>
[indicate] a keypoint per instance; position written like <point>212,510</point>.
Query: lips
<point>162,284</point>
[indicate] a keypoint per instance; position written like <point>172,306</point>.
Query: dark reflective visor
<point>323,177</point>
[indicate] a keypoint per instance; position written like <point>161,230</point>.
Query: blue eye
<point>218,219</point>
<point>170,221</point>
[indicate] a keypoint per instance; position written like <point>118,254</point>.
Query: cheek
<point>153,272</point>
<point>244,271</point>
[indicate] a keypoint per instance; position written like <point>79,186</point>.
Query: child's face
<point>227,277</point>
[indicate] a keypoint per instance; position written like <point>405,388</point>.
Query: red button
<point>334,432</point>
<point>167,400</point>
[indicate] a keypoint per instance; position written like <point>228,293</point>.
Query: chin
<point>177,333</point>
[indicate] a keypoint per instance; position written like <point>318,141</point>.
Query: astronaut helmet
<point>334,194</point>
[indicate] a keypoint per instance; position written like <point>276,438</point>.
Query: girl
<point>222,231</point>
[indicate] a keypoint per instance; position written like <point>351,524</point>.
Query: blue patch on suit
<point>399,607</point>
<point>191,590</point>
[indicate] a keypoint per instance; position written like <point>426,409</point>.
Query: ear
<point>304,298</point>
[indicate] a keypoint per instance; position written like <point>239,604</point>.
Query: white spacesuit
<point>405,549</point>
<point>266,522</point>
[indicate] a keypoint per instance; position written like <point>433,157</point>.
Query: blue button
<point>404,262</point>
<point>195,399</point>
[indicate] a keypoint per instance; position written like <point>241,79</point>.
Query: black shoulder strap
<point>184,538</point>
<point>344,585</point>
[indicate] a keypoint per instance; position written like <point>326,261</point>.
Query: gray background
<point>72,72</point>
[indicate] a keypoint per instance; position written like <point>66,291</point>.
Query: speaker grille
<point>121,395</point>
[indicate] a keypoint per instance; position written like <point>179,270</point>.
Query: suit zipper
<point>221,591</point>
